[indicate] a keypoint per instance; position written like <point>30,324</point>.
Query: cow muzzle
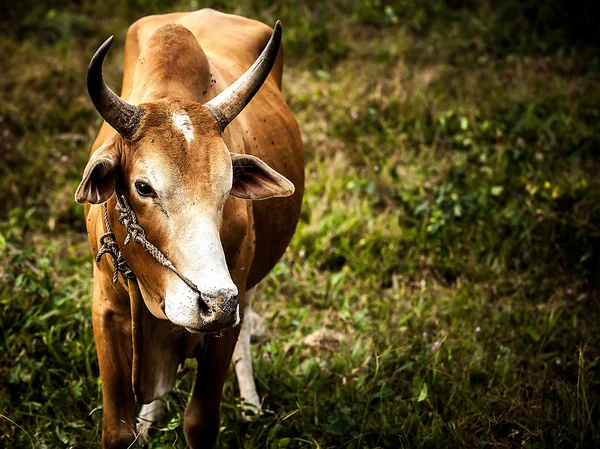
<point>211,311</point>
<point>218,312</point>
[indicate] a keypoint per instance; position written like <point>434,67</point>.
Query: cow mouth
<point>216,332</point>
<point>191,330</point>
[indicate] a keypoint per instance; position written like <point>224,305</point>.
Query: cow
<point>192,194</point>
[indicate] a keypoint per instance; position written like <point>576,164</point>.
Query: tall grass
<point>450,228</point>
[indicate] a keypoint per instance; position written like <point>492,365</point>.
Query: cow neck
<point>109,245</point>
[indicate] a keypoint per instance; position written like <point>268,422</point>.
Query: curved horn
<point>229,103</point>
<point>122,116</point>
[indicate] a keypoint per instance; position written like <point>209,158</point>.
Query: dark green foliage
<point>450,228</point>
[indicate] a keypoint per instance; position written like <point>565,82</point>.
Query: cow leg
<point>203,413</point>
<point>111,319</point>
<point>242,361</point>
<point>150,414</point>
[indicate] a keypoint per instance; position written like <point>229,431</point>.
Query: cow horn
<point>123,117</point>
<point>229,103</point>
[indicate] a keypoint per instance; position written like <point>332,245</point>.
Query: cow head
<point>169,159</point>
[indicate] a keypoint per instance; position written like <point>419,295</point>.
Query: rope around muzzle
<point>108,243</point>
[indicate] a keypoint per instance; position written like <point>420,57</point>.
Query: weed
<point>449,232</point>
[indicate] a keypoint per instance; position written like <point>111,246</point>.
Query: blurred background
<point>449,240</point>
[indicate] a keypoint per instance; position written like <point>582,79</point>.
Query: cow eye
<point>144,189</point>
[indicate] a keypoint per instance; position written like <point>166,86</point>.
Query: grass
<point>450,229</point>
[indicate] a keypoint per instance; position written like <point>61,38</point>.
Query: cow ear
<point>99,176</point>
<point>255,180</point>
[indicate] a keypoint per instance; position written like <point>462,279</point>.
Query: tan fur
<point>173,64</point>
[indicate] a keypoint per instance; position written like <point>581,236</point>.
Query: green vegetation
<point>450,231</point>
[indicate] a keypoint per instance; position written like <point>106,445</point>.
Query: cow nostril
<point>206,303</point>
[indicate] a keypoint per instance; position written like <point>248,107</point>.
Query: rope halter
<point>108,243</point>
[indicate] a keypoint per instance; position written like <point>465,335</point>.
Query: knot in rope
<point>128,219</point>
<point>108,245</point>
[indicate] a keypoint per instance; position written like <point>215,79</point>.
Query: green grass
<point>450,229</point>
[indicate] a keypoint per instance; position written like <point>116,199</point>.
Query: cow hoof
<point>250,411</point>
<point>149,418</point>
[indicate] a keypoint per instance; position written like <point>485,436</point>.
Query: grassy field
<point>450,230</point>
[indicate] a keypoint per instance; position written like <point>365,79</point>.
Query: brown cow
<point>173,171</point>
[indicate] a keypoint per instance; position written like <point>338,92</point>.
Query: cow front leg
<point>203,413</point>
<point>111,319</point>
<point>242,361</point>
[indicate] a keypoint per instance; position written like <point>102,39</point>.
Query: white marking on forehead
<point>184,124</point>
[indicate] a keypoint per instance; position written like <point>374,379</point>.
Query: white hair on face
<point>184,124</point>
